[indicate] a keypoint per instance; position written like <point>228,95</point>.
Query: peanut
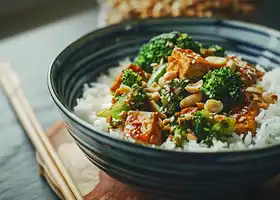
<point>191,100</point>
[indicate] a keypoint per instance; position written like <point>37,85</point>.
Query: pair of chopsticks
<point>12,88</point>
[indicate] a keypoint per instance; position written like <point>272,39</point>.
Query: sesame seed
<point>242,118</point>
<point>193,61</point>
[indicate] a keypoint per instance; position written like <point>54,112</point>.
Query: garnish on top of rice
<point>179,94</point>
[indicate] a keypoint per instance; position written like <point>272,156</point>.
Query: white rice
<point>97,96</point>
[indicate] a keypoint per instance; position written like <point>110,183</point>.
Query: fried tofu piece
<point>245,119</point>
<point>188,64</point>
<point>250,74</point>
<point>118,80</point>
<point>143,126</point>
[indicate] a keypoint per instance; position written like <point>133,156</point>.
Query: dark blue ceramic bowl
<point>177,174</point>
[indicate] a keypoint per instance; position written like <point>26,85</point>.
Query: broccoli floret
<point>225,85</point>
<point>214,50</point>
<point>169,104</point>
<point>181,130</point>
<point>134,100</point>
<point>116,110</point>
<point>130,78</point>
<point>161,46</point>
<point>171,95</point>
<point>217,50</point>
<point>208,126</point>
<point>138,98</point>
<point>179,135</point>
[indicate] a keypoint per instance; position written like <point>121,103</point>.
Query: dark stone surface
<point>30,54</point>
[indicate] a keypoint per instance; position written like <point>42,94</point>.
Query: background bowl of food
<point>115,11</point>
<point>177,107</point>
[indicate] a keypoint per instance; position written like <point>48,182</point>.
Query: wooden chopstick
<point>11,86</point>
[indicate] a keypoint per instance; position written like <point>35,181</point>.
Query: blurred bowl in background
<point>120,10</point>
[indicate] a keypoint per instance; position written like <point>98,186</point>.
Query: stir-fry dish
<point>178,92</point>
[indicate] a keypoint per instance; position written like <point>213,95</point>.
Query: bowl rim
<point>130,23</point>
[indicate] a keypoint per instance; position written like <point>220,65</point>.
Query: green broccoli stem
<point>160,71</point>
<point>116,110</point>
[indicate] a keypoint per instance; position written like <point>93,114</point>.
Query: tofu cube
<point>143,127</point>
